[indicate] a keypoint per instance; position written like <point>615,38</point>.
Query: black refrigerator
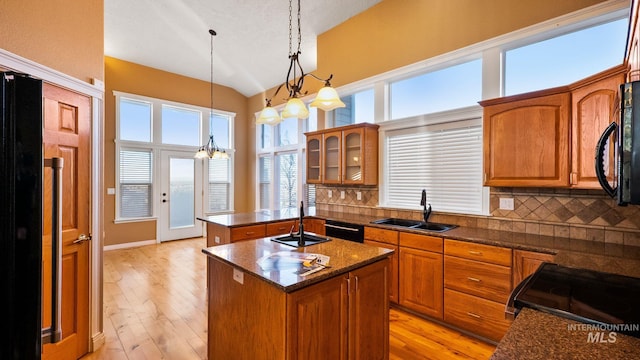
<point>22,166</point>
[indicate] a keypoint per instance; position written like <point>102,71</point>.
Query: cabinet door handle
<point>473,279</point>
<point>356,283</point>
<point>474,315</point>
<point>473,252</point>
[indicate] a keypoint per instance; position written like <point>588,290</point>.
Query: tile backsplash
<point>574,214</point>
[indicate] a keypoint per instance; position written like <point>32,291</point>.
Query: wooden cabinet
<point>313,225</point>
<point>526,263</point>
<point>314,148</point>
<point>343,317</point>
<point>421,274</point>
<point>593,108</point>
<point>477,282</point>
<point>386,239</point>
<point>547,138</point>
<point>343,155</point>
<point>248,232</point>
<point>632,57</point>
<point>526,141</point>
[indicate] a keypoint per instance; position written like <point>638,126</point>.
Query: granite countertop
<point>594,255</point>
<point>344,257</point>
<point>538,335</point>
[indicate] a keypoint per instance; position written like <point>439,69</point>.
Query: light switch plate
<point>216,239</point>
<point>238,276</point>
<point>111,191</point>
<point>506,203</point>
<point>358,195</point>
<point>330,194</point>
<point>341,194</point>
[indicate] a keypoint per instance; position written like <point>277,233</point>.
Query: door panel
<point>181,197</point>
<point>67,128</point>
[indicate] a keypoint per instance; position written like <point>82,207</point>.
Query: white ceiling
<point>251,48</point>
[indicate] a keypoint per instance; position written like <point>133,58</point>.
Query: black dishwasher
<point>343,230</point>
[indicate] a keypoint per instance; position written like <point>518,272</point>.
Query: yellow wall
<point>141,80</point>
<point>65,35</point>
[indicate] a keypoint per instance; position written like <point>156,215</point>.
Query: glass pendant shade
<point>295,108</point>
<point>269,116</point>
<point>327,99</point>
<point>202,153</point>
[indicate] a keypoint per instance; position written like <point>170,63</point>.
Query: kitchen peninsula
<point>260,308</point>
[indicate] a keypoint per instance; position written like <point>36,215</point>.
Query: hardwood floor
<point>155,307</point>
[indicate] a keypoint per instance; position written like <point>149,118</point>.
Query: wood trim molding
<point>129,245</point>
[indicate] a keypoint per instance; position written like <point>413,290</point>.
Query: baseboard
<point>129,245</point>
<point>97,341</point>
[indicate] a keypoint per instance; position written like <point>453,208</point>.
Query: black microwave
<point>627,151</point>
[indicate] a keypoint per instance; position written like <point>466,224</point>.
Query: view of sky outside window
<point>135,120</point>
<point>449,88</point>
<point>565,59</point>
<point>288,132</point>
<point>219,128</point>
<point>358,109</point>
<point>180,126</point>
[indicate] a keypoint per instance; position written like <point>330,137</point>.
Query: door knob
<point>82,238</point>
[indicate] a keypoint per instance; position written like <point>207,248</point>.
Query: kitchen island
<point>261,308</point>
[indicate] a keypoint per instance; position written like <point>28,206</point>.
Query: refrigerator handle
<point>54,333</point>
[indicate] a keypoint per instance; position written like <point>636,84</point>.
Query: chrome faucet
<point>301,225</point>
<point>426,211</point>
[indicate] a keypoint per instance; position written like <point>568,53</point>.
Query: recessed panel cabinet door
<point>526,143</point>
<point>67,131</point>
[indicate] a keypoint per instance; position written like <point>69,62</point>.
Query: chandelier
<point>327,98</point>
<point>211,149</point>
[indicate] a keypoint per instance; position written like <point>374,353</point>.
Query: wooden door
<point>67,128</point>
<point>526,141</point>
<point>526,263</point>
<point>314,151</point>
<point>369,312</point>
<point>331,173</point>
<point>421,281</point>
<point>317,321</point>
<point>594,107</point>
<point>352,157</point>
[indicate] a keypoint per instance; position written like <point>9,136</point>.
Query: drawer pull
<point>473,279</point>
<point>474,315</point>
<point>473,252</point>
<point>250,232</point>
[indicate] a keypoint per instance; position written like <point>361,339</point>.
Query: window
<point>148,126</point>
<point>135,183</point>
<point>180,126</point>
<point>135,120</point>
<point>564,59</point>
<point>445,159</point>
<point>280,180</point>
<point>449,88</point>
<point>358,109</point>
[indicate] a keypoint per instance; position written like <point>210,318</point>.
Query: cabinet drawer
<point>481,316</point>
<point>280,227</point>
<point>489,281</point>
<point>487,253</point>
<point>248,232</point>
<point>387,236</point>
<point>422,242</point>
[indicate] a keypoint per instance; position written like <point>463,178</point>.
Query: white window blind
<point>135,183</point>
<point>265,182</point>
<point>219,185</point>
<point>444,159</point>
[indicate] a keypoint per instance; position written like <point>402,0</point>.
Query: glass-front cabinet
<point>348,155</point>
<point>314,175</point>
<point>332,157</point>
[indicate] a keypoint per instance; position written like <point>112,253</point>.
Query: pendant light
<point>327,98</point>
<point>211,149</point>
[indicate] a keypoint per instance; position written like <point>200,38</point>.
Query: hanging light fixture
<point>211,149</point>
<point>327,98</point>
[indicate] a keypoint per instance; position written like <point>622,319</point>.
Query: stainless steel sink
<point>415,224</point>
<point>292,240</point>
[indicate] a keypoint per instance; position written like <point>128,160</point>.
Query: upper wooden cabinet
<point>343,155</point>
<point>632,57</point>
<point>547,138</point>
